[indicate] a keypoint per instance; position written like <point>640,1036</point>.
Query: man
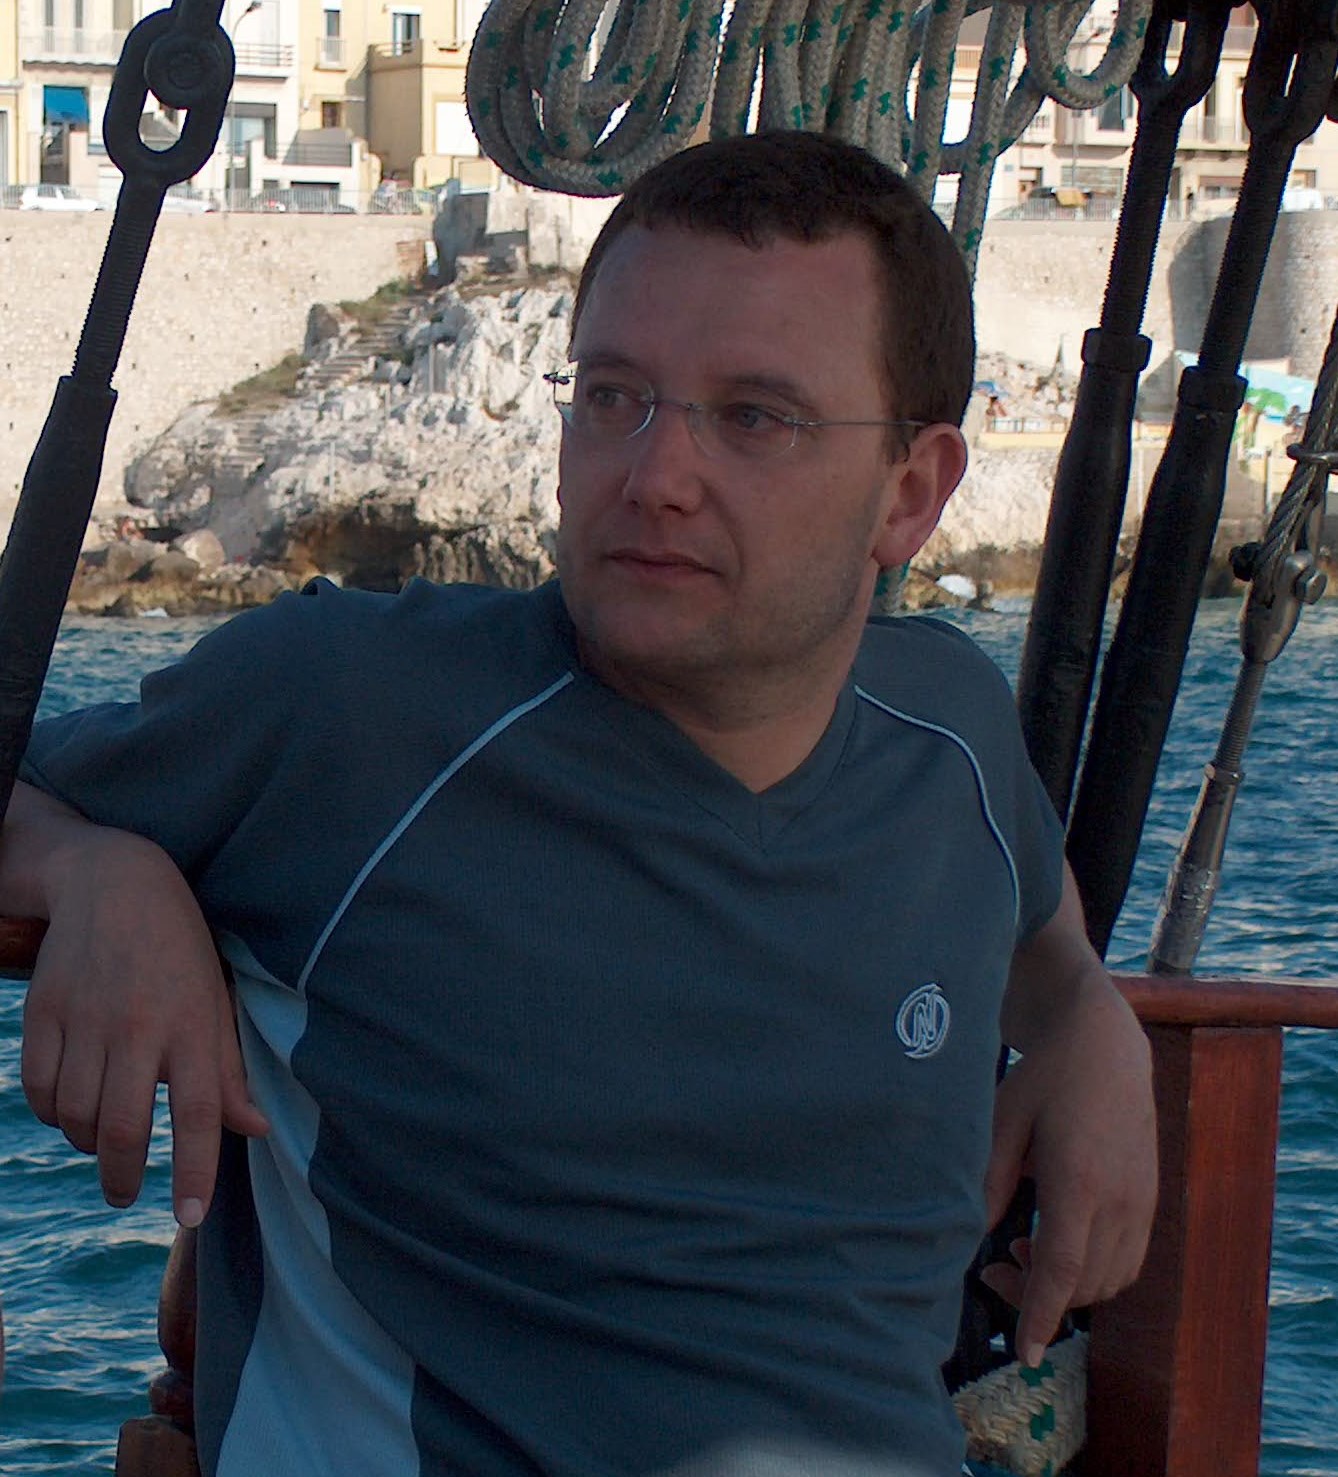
<point>620,968</point>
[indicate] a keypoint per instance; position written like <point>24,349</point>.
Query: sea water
<point>79,1281</point>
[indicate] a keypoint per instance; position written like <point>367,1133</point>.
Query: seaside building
<point>10,92</point>
<point>66,53</point>
<point>334,98</point>
<point>1075,164</point>
<point>262,112</point>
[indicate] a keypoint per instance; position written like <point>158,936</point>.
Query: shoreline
<point>128,577</point>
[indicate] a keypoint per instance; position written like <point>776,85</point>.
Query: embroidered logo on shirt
<point>923,1020</point>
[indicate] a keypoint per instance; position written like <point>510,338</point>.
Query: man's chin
<point>634,652</point>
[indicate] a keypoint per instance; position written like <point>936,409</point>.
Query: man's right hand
<point>127,992</point>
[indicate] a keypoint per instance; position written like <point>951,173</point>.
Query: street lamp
<point>229,117</point>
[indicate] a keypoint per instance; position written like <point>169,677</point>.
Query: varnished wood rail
<point>1176,1374</point>
<point>1175,1384</point>
<point>19,942</point>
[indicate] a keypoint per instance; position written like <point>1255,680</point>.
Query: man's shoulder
<point>339,630</point>
<point>926,663</point>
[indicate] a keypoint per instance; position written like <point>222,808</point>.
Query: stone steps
<point>383,340</point>
<point>249,430</point>
<point>354,362</point>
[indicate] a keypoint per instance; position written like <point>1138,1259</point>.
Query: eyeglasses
<point>613,404</point>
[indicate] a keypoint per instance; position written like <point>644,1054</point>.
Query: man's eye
<point>752,420</point>
<point>605,395</point>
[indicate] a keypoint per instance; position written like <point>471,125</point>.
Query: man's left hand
<point>1076,1115</point>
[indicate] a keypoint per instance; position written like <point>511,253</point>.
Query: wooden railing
<point>1176,1366</point>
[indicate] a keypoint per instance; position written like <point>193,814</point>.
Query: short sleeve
<point>184,764</point>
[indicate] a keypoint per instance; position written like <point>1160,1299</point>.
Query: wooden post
<point>163,1444</point>
<point>1175,1382</point>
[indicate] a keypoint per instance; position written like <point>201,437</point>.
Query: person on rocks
<point>620,967</point>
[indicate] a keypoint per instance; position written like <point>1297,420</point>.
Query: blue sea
<point>79,1281</point>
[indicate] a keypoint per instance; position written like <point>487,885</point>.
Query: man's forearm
<point>46,845</point>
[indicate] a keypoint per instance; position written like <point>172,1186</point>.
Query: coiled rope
<point>1030,1422</point>
<point>583,96</point>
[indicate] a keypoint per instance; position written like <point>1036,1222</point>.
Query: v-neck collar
<point>684,767</point>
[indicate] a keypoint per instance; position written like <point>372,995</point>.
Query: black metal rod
<point>1059,658</point>
<point>188,59</point>
<point>1143,667</point>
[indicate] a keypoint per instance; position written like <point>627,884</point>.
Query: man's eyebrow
<point>758,381</point>
<point>780,385</point>
<point>606,359</point>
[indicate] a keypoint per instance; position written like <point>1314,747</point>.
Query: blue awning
<point>65,105</point>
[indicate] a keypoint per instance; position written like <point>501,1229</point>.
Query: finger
<point>39,1063</point>
<point>79,1092</point>
<point>1126,1261</point>
<point>125,1120</point>
<point>1019,1248</point>
<point>1006,1281</point>
<point>1058,1262</point>
<point>194,1095</point>
<point>240,1113</point>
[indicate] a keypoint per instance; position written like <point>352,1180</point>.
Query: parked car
<point>1061,203</point>
<point>300,199</point>
<point>56,197</point>
<point>187,200</point>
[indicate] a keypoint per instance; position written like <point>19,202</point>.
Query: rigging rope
<point>849,67</point>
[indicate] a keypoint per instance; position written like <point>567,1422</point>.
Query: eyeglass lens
<point>609,404</point>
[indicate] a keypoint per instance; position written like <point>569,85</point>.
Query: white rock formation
<point>443,459</point>
<point>455,439</point>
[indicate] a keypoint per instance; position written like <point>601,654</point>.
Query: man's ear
<point>921,484</point>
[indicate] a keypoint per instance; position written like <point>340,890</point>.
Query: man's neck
<point>760,732</point>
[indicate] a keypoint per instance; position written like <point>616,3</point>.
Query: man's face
<point>689,571</point>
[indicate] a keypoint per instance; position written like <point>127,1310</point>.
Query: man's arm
<point>1076,1114</point>
<point>127,992</point>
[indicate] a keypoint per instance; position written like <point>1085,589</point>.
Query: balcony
<point>323,148</point>
<point>91,48</point>
<point>330,53</point>
<point>408,49</point>
<point>1041,129</point>
<point>1214,133</point>
<point>263,57</point>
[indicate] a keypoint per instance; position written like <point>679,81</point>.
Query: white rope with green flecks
<point>1029,1422</point>
<point>847,67</point>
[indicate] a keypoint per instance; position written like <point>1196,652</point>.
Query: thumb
<point>240,1113</point>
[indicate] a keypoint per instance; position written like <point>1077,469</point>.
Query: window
<point>78,15</point>
<point>247,121</point>
<point>1115,114</point>
<point>332,115</point>
<point>332,45</point>
<point>1210,116</point>
<point>405,29</point>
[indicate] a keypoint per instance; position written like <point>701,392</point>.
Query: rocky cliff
<point>426,443</point>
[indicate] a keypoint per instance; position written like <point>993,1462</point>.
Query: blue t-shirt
<point>623,1119</point>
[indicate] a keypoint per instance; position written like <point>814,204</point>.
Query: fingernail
<point>1033,1354</point>
<point>190,1212</point>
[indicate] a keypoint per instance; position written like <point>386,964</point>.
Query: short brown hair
<point>811,187</point>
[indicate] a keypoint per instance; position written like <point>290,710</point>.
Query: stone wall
<point>226,296</point>
<point>223,296</point>
<point>1040,283</point>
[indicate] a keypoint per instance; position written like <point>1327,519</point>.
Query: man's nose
<point>666,460</point>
